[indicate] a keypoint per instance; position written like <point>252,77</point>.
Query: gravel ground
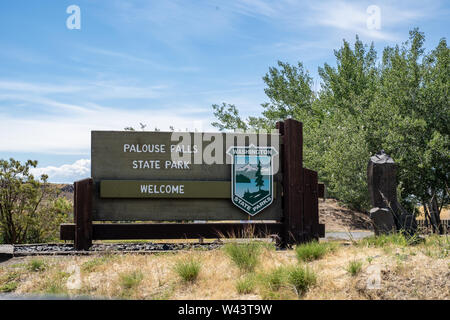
<point>68,249</point>
<point>350,235</point>
<point>37,249</point>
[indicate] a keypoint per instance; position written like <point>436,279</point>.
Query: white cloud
<point>37,88</point>
<point>133,59</point>
<point>337,15</point>
<point>35,118</point>
<point>67,173</point>
<point>34,92</point>
<point>347,16</point>
<point>69,133</point>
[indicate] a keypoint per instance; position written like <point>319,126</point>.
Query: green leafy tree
<point>228,117</point>
<point>399,104</point>
<point>29,208</point>
<point>414,103</point>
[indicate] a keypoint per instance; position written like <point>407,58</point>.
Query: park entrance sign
<point>167,180</point>
<point>164,176</point>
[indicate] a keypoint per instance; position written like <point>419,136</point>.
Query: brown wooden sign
<point>186,175</point>
<point>174,176</point>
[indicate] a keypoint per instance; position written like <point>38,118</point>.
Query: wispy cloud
<point>98,90</point>
<point>337,15</point>
<point>36,100</point>
<point>37,88</point>
<point>140,60</point>
<point>352,16</point>
<point>44,122</point>
<point>174,23</point>
<point>70,134</point>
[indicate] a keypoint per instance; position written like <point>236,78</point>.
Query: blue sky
<point>164,63</point>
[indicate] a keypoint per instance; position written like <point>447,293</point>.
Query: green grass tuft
<point>36,265</point>
<point>313,250</point>
<point>244,255</point>
<point>56,285</point>
<point>92,264</point>
<point>131,280</point>
<point>301,278</point>
<point>188,270</point>
<point>245,285</point>
<point>436,246</point>
<point>275,279</point>
<point>282,281</point>
<point>384,240</point>
<point>8,282</point>
<point>354,267</point>
<point>8,287</point>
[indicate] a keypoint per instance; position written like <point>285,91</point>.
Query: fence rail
<point>425,224</point>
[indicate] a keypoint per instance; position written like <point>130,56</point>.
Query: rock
<point>383,220</point>
<point>68,188</point>
<point>40,249</point>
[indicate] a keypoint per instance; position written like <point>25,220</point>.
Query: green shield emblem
<point>252,177</point>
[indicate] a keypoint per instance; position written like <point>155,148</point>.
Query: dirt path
<point>337,218</point>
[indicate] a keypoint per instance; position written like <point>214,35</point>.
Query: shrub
<point>188,270</point>
<point>354,267</point>
<point>312,250</point>
<point>244,255</point>
<point>32,206</point>
<point>301,278</point>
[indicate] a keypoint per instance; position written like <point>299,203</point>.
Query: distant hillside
<point>66,190</point>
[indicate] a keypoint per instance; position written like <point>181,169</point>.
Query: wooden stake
<point>83,214</point>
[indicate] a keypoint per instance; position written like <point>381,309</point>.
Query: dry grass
<point>406,272</point>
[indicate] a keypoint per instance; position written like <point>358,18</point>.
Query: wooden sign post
<point>134,179</point>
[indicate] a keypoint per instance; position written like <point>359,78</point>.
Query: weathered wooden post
<point>291,162</point>
<point>311,226</point>
<point>383,193</point>
<point>83,213</point>
<point>386,212</point>
<point>300,188</point>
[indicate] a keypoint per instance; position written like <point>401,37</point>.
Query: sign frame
<point>299,216</point>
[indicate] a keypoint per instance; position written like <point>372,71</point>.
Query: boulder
<point>383,220</point>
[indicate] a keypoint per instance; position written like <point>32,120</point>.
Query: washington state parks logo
<point>252,177</point>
